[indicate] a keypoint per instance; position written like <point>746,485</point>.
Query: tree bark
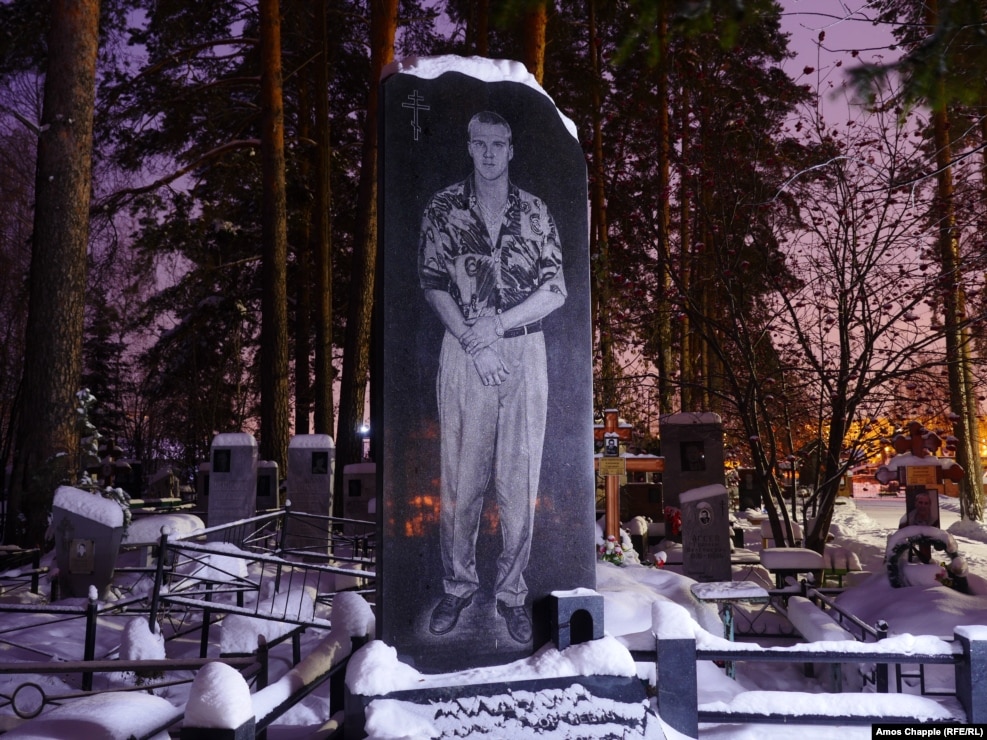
<point>53,360</point>
<point>324,375</point>
<point>356,357</point>
<point>274,423</point>
<point>599,244</point>
<point>961,392</point>
<point>535,23</point>
<point>304,282</point>
<point>663,327</point>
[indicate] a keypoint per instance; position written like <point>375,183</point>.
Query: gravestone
<point>360,491</point>
<point>267,485</point>
<point>311,462</point>
<point>750,488</point>
<point>232,480</point>
<point>692,445</point>
<point>706,533</point>
<point>436,220</point>
<point>88,530</point>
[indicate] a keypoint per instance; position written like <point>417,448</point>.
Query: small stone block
<point>576,617</point>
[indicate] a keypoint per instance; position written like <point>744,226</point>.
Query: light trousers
<point>490,432</point>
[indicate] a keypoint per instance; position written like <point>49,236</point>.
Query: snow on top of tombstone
<point>691,417</point>
<point>909,460</point>
<point>234,439</point>
<point>362,467</point>
<point>481,68</point>
<point>89,505</point>
<point>309,441</point>
<point>580,591</point>
<point>698,494</point>
<point>972,631</point>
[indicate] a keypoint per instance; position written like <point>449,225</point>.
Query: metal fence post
<point>971,673</point>
<point>881,678</point>
<point>152,617</point>
<point>89,650</point>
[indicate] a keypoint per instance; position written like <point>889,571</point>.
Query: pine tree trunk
<point>304,259</point>
<point>274,406</point>
<point>324,376</point>
<point>663,148</point>
<point>535,23</point>
<point>961,393</point>
<point>53,358</point>
<point>356,357</point>
<point>686,370</point>
<point>599,244</point>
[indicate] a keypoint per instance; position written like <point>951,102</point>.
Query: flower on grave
<point>611,551</point>
<point>943,576</point>
<point>673,520</point>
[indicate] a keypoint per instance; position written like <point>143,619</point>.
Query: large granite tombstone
<point>232,479</point>
<point>441,244</point>
<point>706,533</point>
<point>692,445</point>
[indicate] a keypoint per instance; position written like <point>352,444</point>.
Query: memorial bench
<point>783,562</point>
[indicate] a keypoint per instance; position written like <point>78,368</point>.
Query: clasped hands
<point>476,341</point>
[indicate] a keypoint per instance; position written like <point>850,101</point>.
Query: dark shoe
<point>518,621</point>
<point>446,613</point>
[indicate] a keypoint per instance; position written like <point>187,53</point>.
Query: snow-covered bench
<point>790,561</point>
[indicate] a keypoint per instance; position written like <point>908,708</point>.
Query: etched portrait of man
<point>490,265</point>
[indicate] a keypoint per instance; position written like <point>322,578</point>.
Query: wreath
<point>919,546</point>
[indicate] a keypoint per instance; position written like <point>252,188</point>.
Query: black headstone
<point>425,113</point>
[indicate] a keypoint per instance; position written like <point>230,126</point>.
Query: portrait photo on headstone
<point>487,470</point>
<point>921,508</point>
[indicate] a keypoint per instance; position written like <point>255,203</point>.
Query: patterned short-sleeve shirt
<point>485,273</point>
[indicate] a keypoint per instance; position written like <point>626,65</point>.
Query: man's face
<point>490,148</point>
<point>923,507</point>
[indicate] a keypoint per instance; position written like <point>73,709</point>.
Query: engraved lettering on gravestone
<point>490,265</point>
<point>416,103</point>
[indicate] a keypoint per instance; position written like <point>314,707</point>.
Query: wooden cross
<point>612,465</point>
<point>920,441</point>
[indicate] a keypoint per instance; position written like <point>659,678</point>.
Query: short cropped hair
<point>491,119</point>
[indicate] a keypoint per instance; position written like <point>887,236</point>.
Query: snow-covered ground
<point>863,525</point>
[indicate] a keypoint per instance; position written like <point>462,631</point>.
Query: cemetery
<point>507,567</point>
